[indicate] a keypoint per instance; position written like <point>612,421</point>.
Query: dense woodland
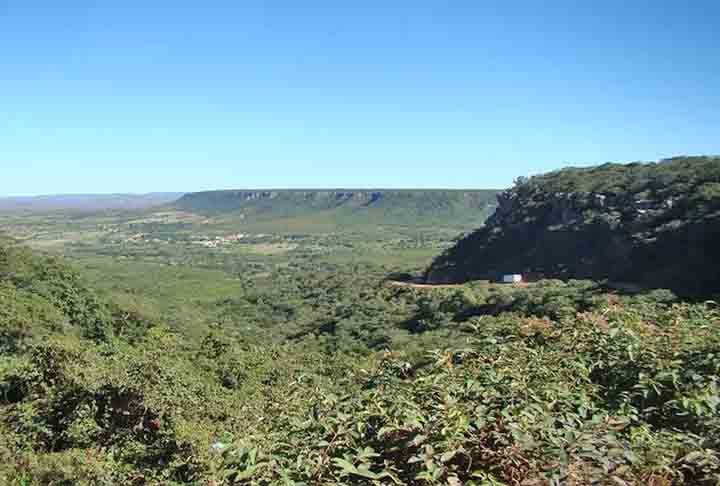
<point>308,370</point>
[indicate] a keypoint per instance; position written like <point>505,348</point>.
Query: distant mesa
<point>387,204</point>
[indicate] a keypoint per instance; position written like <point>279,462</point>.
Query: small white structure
<point>512,278</point>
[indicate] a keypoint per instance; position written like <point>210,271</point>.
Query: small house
<point>512,278</point>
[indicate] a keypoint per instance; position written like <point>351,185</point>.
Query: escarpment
<point>655,224</point>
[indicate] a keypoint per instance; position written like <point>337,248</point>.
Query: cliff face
<point>652,224</point>
<point>231,200</point>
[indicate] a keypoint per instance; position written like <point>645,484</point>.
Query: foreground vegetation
<point>555,383</point>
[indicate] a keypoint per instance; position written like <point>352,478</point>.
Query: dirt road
<point>415,285</point>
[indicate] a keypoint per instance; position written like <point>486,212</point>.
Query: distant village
<point>219,241</point>
<point>200,240</point>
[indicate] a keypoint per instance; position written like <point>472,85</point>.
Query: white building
<point>512,278</point>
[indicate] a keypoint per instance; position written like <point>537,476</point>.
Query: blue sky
<point>161,96</point>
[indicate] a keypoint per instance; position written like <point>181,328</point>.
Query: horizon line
<point>278,189</point>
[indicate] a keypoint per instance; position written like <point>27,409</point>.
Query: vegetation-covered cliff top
<point>670,177</point>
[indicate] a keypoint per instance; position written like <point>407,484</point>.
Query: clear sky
<point>155,95</point>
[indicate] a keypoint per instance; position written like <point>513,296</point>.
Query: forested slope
<point>654,224</point>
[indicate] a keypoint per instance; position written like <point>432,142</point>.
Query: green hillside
<point>654,224</point>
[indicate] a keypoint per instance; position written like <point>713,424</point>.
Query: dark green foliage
<point>656,225</point>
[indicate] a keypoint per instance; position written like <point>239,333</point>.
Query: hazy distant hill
<point>656,224</point>
<point>87,202</point>
<point>384,205</point>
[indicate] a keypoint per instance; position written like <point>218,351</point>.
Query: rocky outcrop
<point>659,227</point>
